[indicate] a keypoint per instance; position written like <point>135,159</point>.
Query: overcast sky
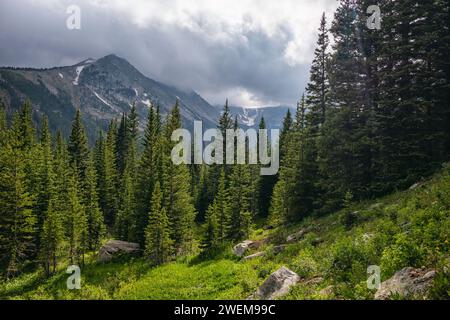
<point>255,52</point>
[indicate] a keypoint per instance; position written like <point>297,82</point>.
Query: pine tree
<point>110,176</point>
<point>45,177</point>
<point>26,131</point>
<point>239,192</point>
<point>344,144</point>
<point>75,221</point>
<point>222,210</point>
<point>266,185</point>
<point>52,236</point>
<point>94,218</point>
<point>412,115</point>
<point>286,128</point>
<point>125,224</point>
<point>210,239</point>
<point>176,182</point>
<point>158,245</point>
<point>148,172</point>
<point>318,86</point>
<point>17,220</point>
<point>78,148</point>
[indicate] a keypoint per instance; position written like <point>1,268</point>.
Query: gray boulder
<point>115,248</point>
<point>277,284</point>
<point>408,282</point>
<point>242,247</point>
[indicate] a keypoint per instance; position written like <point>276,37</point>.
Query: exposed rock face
<point>277,284</point>
<point>255,255</point>
<point>242,247</point>
<point>116,248</point>
<point>408,282</point>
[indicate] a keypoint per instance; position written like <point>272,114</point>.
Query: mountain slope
<point>102,88</point>
<point>251,117</point>
<point>405,229</point>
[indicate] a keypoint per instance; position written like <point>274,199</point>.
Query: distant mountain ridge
<point>251,117</point>
<point>103,89</point>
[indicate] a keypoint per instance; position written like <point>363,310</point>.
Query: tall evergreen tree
<point>75,221</point>
<point>318,86</point>
<point>94,218</point>
<point>239,191</point>
<point>148,172</point>
<point>78,147</point>
<point>158,245</point>
<point>176,181</point>
<point>17,220</point>
<point>52,237</point>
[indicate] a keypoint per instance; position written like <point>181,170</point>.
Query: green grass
<point>409,228</point>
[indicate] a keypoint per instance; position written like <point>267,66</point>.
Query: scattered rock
<point>408,282</point>
<point>414,186</point>
<point>313,281</point>
<point>277,284</point>
<point>278,249</point>
<point>115,248</point>
<point>242,247</point>
<point>298,235</point>
<point>255,255</point>
<point>327,291</point>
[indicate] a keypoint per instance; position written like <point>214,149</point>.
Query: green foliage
<point>158,243</point>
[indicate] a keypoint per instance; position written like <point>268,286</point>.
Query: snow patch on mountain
<point>248,120</point>
<point>103,100</point>
<point>78,71</point>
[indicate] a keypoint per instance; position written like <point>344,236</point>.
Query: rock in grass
<point>414,186</point>
<point>255,255</point>
<point>408,282</point>
<point>242,247</point>
<point>277,284</point>
<point>115,248</point>
<point>298,235</point>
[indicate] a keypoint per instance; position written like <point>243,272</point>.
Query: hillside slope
<point>408,228</point>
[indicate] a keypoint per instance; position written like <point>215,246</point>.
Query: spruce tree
<point>176,182</point>
<point>52,237</point>
<point>78,147</point>
<point>94,218</point>
<point>45,177</point>
<point>239,195</point>
<point>148,172</point>
<point>318,86</point>
<point>75,221</point>
<point>158,245</point>
<point>17,220</point>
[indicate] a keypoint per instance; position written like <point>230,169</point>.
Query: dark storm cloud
<point>249,64</point>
